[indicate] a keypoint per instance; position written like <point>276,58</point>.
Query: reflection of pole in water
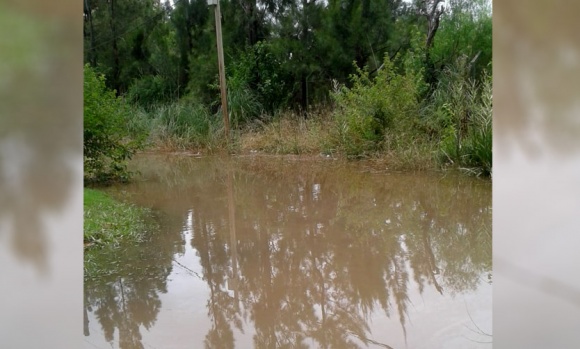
<point>86,330</point>
<point>232,284</point>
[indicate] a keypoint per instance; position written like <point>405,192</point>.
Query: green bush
<point>254,84</point>
<point>106,146</point>
<point>368,113</point>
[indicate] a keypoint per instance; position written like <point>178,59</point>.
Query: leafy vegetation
<point>106,145</point>
<point>108,222</point>
<point>407,81</point>
<point>373,110</point>
<point>462,111</point>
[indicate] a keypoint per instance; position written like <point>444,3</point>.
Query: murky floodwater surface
<point>280,253</point>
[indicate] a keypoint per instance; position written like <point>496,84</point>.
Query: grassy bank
<point>321,134</point>
<point>108,222</point>
<point>380,117</point>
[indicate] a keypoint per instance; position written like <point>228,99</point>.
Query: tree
<point>105,146</point>
<point>431,10</point>
<point>115,33</point>
<point>466,29</point>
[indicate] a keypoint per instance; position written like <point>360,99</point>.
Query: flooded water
<point>287,253</point>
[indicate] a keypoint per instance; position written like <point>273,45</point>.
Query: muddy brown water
<point>266,252</point>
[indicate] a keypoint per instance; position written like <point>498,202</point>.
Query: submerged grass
<point>108,222</point>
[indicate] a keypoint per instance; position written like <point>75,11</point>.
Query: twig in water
<point>188,270</point>
<point>479,330</point>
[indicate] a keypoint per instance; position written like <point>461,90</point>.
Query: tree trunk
<point>116,68</point>
<point>304,95</point>
<point>305,47</point>
<point>92,53</point>
<point>252,23</point>
<point>431,10</point>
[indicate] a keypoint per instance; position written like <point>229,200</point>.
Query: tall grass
<point>243,104</point>
<point>478,149</point>
<point>458,114</point>
<point>179,126</point>
<point>290,133</point>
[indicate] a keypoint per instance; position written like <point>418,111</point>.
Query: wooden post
<point>220,49</point>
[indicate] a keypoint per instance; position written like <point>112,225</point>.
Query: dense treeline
<point>376,70</point>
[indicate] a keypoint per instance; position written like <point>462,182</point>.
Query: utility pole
<point>222,69</point>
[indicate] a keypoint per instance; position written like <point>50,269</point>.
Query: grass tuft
<point>108,222</point>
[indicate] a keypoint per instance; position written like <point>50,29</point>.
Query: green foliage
<point>372,108</point>
<point>116,36</point>
<point>258,69</point>
<point>449,145</point>
<point>151,89</point>
<point>105,143</point>
<point>283,56</point>
<point>413,60</point>
<point>479,142</point>
<point>108,222</point>
<point>254,85</point>
<point>243,103</point>
<point>202,85</point>
<point>465,30</point>
<point>194,30</point>
<point>460,112</point>
<point>185,120</point>
<point>182,125</point>
<point>363,31</point>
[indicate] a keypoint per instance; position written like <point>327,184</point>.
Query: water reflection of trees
<point>318,251</point>
<point>315,249</point>
<point>123,293</point>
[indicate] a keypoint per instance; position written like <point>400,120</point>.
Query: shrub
<point>254,85</point>
<point>372,108</point>
<point>105,145</point>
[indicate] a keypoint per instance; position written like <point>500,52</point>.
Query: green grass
<point>108,222</point>
<point>182,125</point>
